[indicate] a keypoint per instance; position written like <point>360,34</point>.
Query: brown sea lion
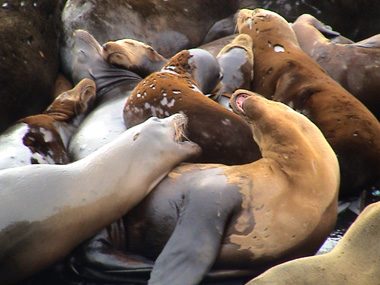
<point>248,216</point>
<point>47,210</point>
<point>236,61</point>
<point>167,26</point>
<point>29,57</point>
<point>133,55</point>
<point>354,66</point>
<point>355,259</point>
<point>44,138</point>
<point>355,19</point>
<point>223,136</point>
<point>283,72</point>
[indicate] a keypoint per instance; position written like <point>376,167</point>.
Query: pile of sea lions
<point>199,162</point>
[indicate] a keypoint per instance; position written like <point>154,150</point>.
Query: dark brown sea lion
<point>236,61</point>
<point>29,57</point>
<point>355,259</point>
<point>223,136</point>
<point>44,138</point>
<point>47,210</point>
<point>113,85</point>
<point>354,66</point>
<point>133,55</point>
<point>248,216</point>
<point>167,26</point>
<point>283,72</point>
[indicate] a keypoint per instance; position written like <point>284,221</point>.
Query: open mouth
<point>238,101</point>
<point>180,123</point>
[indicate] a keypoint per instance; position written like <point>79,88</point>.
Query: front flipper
<point>196,240</point>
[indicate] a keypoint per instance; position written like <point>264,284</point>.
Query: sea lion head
<point>206,70</point>
<point>133,55</point>
<point>168,133</point>
<point>261,113</point>
<point>199,64</point>
<point>75,102</point>
<point>259,22</point>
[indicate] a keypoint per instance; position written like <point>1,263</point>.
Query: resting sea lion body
<point>283,72</point>
<point>44,138</point>
<point>47,210</point>
<point>113,86</point>
<point>223,136</point>
<point>248,216</point>
<point>354,66</point>
<point>355,259</point>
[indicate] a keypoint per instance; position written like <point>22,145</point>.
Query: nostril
<point>105,46</point>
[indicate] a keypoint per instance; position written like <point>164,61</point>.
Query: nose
<point>105,46</point>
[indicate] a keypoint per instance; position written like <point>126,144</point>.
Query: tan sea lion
<point>354,66</point>
<point>44,138</point>
<point>223,136</point>
<point>47,210</point>
<point>283,72</point>
<point>248,216</point>
<point>355,259</point>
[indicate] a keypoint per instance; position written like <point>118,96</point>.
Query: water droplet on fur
<point>34,4</point>
<point>5,5</point>
<point>22,3</point>
<point>355,134</point>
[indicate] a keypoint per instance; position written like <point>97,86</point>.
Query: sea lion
<point>236,61</point>
<point>133,55</point>
<point>113,85</point>
<point>223,136</point>
<point>168,27</point>
<point>355,19</point>
<point>47,210</point>
<point>354,66</point>
<point>29,57</point>
<point>283,72</point>
<point>248,216</point>
<point>355,259</point>
<point>44,138</point>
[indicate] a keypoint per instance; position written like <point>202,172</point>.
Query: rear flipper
<point>196,240</point>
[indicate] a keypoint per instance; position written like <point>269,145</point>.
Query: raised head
<point>261,22</point>
<point>75,102</point>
